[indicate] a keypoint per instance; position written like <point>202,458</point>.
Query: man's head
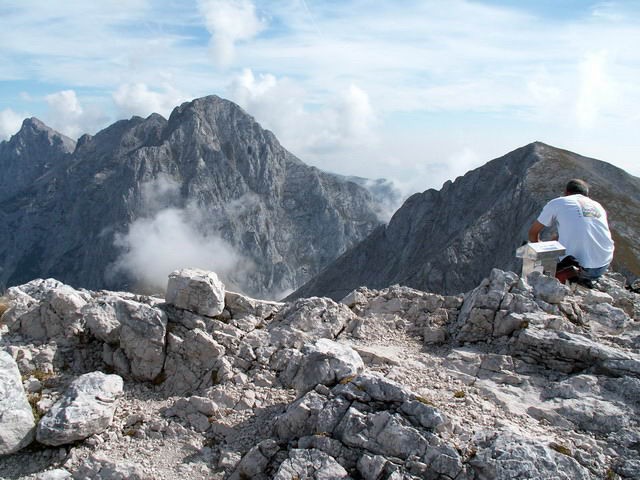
<point>577,186</point>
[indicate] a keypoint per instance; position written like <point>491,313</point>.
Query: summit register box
<point>540,256</point>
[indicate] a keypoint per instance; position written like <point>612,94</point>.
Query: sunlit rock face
<point>446,241</point>
<point>207,188</point>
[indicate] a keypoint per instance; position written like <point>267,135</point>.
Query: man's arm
<point>534,231</point>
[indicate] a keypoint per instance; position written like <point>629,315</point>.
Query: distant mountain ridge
<point>64,206</point>
<point>448,240</point>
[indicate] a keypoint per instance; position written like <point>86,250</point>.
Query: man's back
<point>582,229</point>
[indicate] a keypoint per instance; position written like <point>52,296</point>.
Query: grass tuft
<point>426,401</point>
<point>4,305</point>
<point>346,380</point>
<point>561,449</point>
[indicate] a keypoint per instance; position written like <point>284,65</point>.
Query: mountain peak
<point>33,127</point>
<point>446,241</point>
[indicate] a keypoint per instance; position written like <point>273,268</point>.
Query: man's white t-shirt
<point>582,229</point>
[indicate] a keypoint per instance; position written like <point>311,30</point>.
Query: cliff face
<point>448,240</point>
<point>228,178</point>
<point>30,153</point>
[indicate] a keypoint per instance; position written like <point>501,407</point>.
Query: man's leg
<point>588,276</point>
<point>567,269</point>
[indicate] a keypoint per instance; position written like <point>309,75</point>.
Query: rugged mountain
<point>448,240</point>
<point>211,165</point>
<point>30,153</point>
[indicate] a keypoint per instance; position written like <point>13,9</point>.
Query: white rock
<point>102,319</point>
<point>311,464</point>
<point>191,358</point>
<point>325,362</point>
<point>307,320</point>
<point>196,290</point>
<point>100,467</point>
<point>57,316</point>
<point>86,408</point>
<point>595,297</point>
<point>142,337</point>
<point>55,474</point>
<point>506,455</point>
<point>17,424</point>
<point>547,288</point>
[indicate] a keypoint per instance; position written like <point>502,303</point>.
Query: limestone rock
<point>569,352</point>
<point>307,320</point>
<point>19,304</point>
<point>254,463</point>
<point>142,337</point>
<point>17,425</point>
<point>478,312</point>
<point>196,290</point>
<point>55,474</point>
<point>100,467</point>
<point>86,408</point>
<point>325,362</point>
<point>547,288</point>
<point>241,306</point>
<point>192,356</point>
<point>101,317</point>
<point>58,316</point>
<point>505,456</point>
<point>310,464</point>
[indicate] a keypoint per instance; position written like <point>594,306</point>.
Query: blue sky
<point>415,91</point>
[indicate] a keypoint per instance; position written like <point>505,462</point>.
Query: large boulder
<point>308,319</point>
<point>196,290</point>
<point>86,408</point>
<point>142,337</point>
<point>324,362</point>
<point>311,464</point>
<point>57,316</point>
<point>17,424</point>
<point>191,358</point>
<point>506,455</point>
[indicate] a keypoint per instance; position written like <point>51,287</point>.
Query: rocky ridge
<point>446,241</point>
<point>515,379</point>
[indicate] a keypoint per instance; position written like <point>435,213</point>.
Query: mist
<point>169,238</point>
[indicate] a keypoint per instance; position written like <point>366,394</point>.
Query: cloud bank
<point>169,238</point>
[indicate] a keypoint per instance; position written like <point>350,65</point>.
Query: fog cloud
<point>170,238</point>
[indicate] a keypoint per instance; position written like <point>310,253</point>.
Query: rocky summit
<point>206,188</point>
<point>446,241</point>
<point>516,379</point>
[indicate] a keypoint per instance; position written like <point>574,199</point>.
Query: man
<point>582,229</point>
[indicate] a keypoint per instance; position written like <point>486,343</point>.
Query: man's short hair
<point>577,186</point>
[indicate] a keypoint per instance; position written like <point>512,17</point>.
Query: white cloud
<point>139,99</point>
<point>229,22</point>
<point>169,238</point>
<point>66,114</point>
<point>345,120</point>
<point>596,89</point>
<point>156,246</point>
<point>10,123</point>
